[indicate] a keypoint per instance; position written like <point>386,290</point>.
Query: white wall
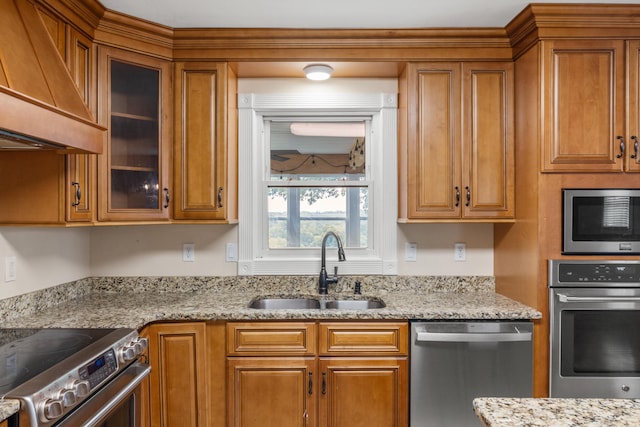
<point>156,250</point>
<point>51,256</point>
<point>44,257</point>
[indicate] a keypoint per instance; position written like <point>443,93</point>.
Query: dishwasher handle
<point>514,336</point>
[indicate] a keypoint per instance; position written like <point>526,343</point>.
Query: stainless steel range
<point>595,328</point>
<point>73,377</point>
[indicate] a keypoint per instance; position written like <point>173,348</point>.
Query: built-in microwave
<point>601,221</point>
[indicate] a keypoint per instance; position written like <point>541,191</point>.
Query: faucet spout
<point>324,280</point>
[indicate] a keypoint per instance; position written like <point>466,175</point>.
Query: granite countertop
<point>8,407</point>
<point>134,303</point>
<point>509,412</point>
<point>126,302</point>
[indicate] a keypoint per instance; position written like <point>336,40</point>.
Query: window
<point>310,164</point>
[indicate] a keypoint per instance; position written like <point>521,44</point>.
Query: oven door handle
<point>116,392</point>
<point>566,298</point>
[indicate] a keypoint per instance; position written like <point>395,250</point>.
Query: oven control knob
<point>127,353</point>
<point>140,345</point>
<point>67,397</point>
<point>81,388</point>
<point>52,409</point>
<point>625,388</point>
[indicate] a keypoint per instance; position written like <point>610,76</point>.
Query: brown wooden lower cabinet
<point>358,376</point>
<point>4,423</point>
<point>277,374</point>
<point>177,383</point>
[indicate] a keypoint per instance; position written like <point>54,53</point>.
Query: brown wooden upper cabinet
<point>592,114</point>
<point>205,153</point>
<point>135,105</point>
<point>456,145</point>
<point>46,187</point>
<point>81,169</point>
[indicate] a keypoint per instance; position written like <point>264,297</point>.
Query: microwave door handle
<point>565,298</point>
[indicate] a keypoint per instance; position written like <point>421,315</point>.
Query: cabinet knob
<point>457,196</point>
<point>468,196</point>
<point>635,147</point>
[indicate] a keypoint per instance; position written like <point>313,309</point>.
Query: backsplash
<point>33,302</point>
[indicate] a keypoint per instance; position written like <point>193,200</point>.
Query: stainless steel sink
<point>354,304</point>
<point>285,303</point>
<point>304,303</point>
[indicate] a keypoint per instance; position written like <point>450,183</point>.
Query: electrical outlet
<point>460,252</point>
<point>188,252</point>
<point>410,251</point>
<point>10,269</point>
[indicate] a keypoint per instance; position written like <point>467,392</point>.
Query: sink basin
<point>312,303</point>
<point>354,304</point>
<point>285,303</point>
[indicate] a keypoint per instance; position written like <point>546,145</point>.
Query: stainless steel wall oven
<point>595,328</point>
<point>73,377</point>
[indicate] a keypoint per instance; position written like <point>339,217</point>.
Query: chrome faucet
<point>323,283</point>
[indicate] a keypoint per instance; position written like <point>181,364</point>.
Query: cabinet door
<point>204,152</point>
<point>81,169</point>
<point>177,355</point>
<point>135,93</point>
<point>363,392</point>
<point>433,138</point>
<point>488,140</point>
<point>633,112</point>
<point>583,105</point>
<point>271,392</point>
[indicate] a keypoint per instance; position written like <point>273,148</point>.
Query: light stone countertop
<point>8,407</point>
<point>136,302</point>
<point>130,302</point>
<point>530,412</point>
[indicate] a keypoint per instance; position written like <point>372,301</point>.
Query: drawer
<point>372,338</point>
<point>271,338</point>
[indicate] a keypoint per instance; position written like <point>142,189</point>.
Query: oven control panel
<point>68,391</point>
<point>565,273</point>
<point>100,369</point>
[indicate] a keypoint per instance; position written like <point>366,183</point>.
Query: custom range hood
<point>40,104</point>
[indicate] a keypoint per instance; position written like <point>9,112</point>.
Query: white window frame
<point>253,172</point>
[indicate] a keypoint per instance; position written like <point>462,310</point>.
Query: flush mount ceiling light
<point>317,71</point>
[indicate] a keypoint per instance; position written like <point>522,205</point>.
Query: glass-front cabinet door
<point>134,169</point>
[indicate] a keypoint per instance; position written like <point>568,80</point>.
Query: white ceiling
<point>329,13</point>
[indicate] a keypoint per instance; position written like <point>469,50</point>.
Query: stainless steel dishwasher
<point>454,362</point>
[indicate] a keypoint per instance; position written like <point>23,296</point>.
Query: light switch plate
<point>410,252</point>
<point>231,252</point>
<point>10,269</point>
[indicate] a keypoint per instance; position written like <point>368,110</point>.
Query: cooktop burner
<point>25,353</point>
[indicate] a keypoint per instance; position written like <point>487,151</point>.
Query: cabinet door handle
<point>166,197</point>
<point>621,139</point>
<point>219,197</point>
<point>457,196</point>
<point>324,383</point>
<point>78,193</point>
<point>468,195</point>
<point>310,383</point>
<point>635,147</point>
